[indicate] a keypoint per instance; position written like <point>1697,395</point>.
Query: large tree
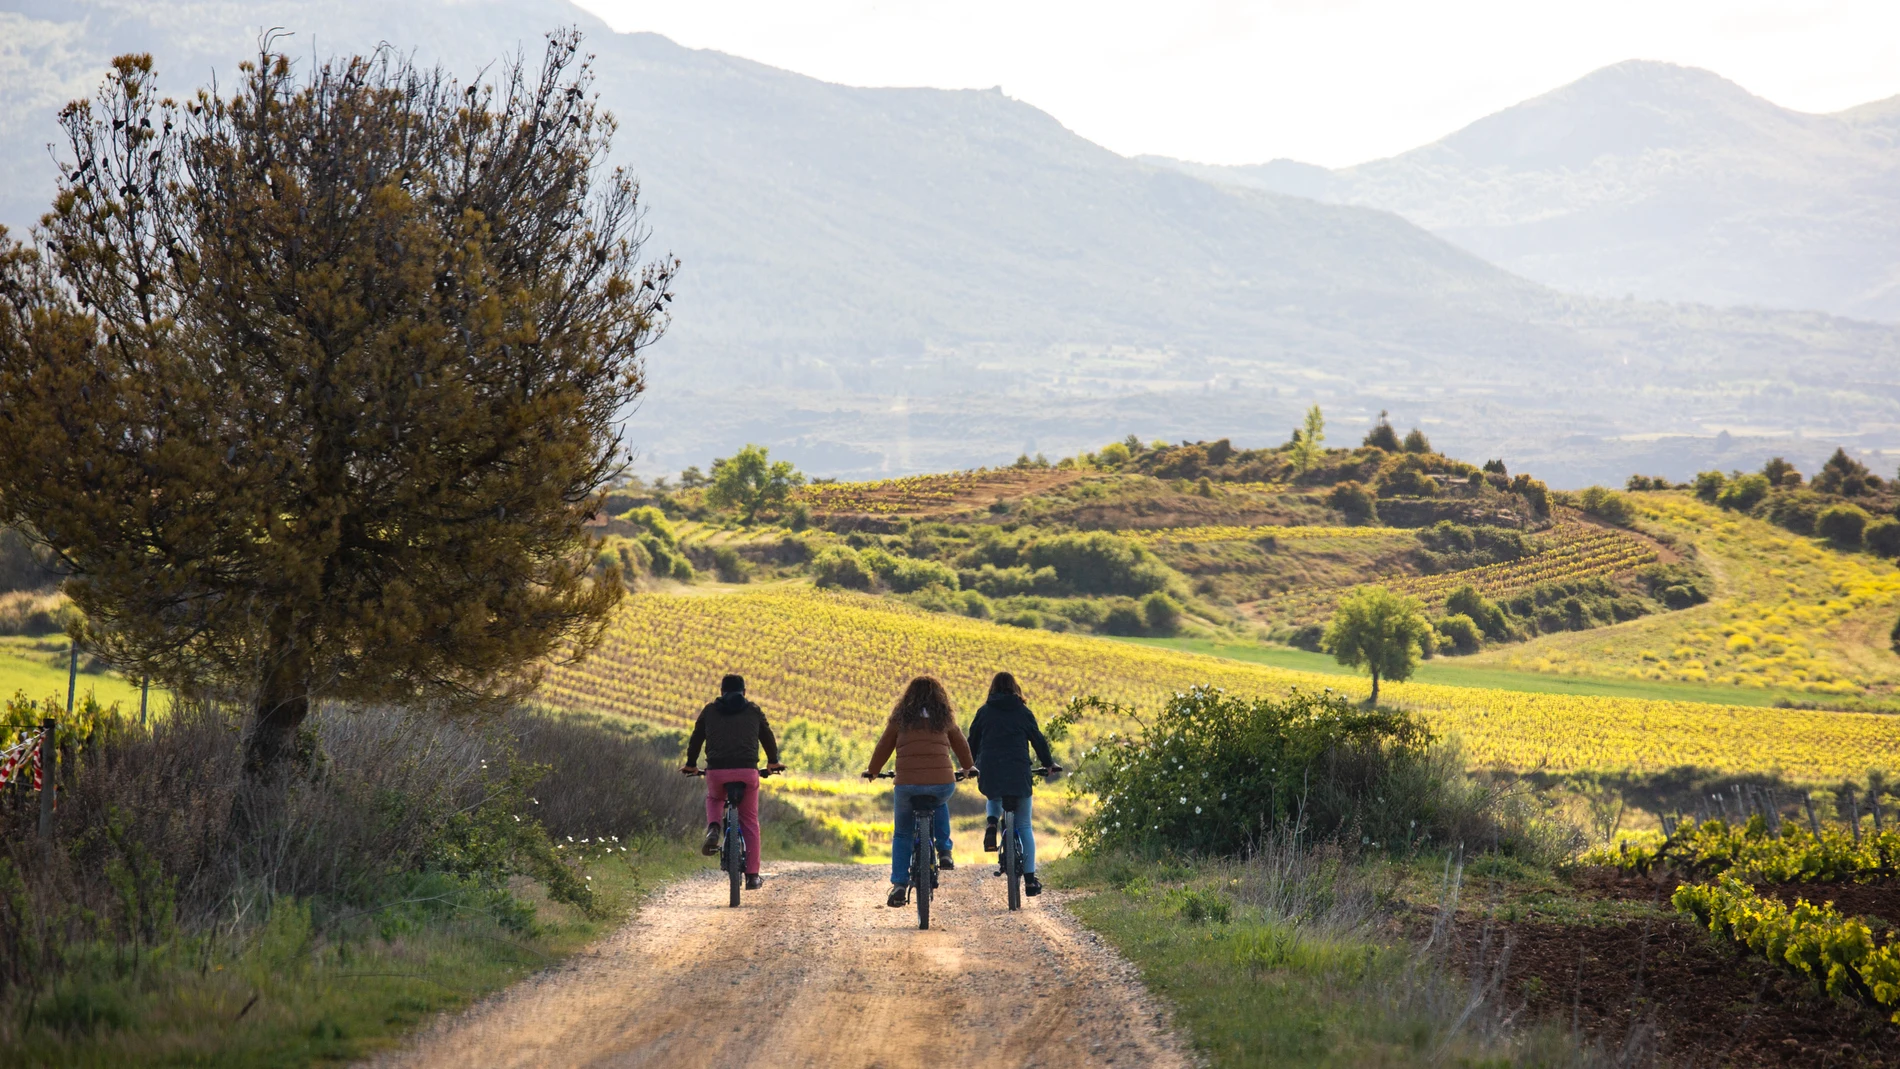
<point>752,482</point>
<point>310,387</point>
<point>1380,631</point>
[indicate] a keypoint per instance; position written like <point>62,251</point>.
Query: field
<point>926,495</point>
<point>1260,533</point>
<point>840,659</point>
<point>27,664</point>
<point>1791,614</point>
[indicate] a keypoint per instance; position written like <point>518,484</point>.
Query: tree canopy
<point>310,388</point>
<point>1380,631</point>
<point>1309,441</point>
<point>752,482</point>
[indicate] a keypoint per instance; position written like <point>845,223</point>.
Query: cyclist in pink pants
<point>732,729</point>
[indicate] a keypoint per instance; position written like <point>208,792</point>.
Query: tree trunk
<point>274,733</point>
<point>1374,700</point>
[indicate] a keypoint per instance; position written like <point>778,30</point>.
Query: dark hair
<point>732,684</point>
<point>1005,684</point>
<point>925,704</point>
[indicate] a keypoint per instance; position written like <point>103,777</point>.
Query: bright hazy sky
<point>1327,81</point>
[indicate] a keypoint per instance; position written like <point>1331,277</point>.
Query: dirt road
<point>816,971</point>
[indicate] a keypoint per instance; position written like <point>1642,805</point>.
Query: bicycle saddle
<point>923,803</point>
<point>735,792</point>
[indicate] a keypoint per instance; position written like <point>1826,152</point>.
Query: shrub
<point>1794,508</point>
<point>1382,436</point>
<point>908,574</point>
<point>1883,537</point>
<point>1842,525</point>
<point>1845,476</point>
<point>1781,473</point>
<point>1480,610</point>
<point>1160,613</point>
<point>1709,485</point>
<point>1408,482</point>
<point>1112,456</point>
<point>1099,563</point>
<point>1495,467</point>
<point>1606,505</point>
<point>730,567</point>
<point>1216,773</point>
<point>1416,442</point>
<point>1028,619</point>
<point>1534,492</point>
<point>1310,637</point>
<point>1124,620</point>
<point>837,566</point>
<point>1354,502</point>
<point>1460,632</point>
<point>1743,492</point>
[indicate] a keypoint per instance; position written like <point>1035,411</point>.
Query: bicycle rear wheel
<point>1012,861</point>
<point>734,858</point>
<point>921,870</point>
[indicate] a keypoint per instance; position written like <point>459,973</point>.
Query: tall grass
<point>168,860</point>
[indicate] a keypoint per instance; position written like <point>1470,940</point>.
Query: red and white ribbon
<point>14,758</point>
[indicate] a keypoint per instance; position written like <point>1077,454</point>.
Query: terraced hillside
<point>1790,612</point>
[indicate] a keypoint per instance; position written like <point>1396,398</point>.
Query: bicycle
<point>732,838</point>
<point>923,853</point>
<point>1009,840</point>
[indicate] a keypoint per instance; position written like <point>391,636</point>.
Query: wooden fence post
<point>72,677</point>
<point>49,774</point>
<point>1814,824</point>
<point>145,685</point>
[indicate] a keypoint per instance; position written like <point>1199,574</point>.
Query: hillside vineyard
<point>841,659</point>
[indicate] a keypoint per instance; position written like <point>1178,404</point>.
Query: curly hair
<point>925,705</point>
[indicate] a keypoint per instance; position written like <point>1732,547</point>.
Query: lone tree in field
<point>311,387</point>
<point>752,482</point>
<point>1309,441</point>
<point>1375,629</point>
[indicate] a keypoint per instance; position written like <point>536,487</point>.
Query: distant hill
<point>1644,178</point>
<point>888,280</point>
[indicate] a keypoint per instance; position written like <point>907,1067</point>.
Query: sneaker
<point>711,846</point>
<point>900,895</point>
<point>752,881</point>
<point>944,860</point>
<point>1031,886</point>
<point>989,836</point>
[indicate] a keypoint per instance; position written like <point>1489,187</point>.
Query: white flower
<point>1197,810</point>
<point>1184,799</point>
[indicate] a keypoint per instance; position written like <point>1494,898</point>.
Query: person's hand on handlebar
<point>773,766</point>
<point>689,770</point>
<point>867,774</point>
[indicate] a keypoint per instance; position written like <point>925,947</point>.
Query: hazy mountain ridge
<point>894,279</point>
<point>1648,178</point>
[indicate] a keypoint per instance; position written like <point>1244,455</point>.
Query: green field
<point>1451,673</point>
<point>37,667</point>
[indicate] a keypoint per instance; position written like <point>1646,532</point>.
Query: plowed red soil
<point>1706,1003</point>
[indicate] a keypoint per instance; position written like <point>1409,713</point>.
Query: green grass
<point>1449,672</point>
<point>295,994</point>
<point>28,664</point>
<point>1253,989</point>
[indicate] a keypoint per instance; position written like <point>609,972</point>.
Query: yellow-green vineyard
<point>841,659</point>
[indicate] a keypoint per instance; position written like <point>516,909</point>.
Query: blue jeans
<point>1025,830</point>
<point>903,839</point>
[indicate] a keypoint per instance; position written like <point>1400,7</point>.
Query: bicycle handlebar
<point>763,772</point>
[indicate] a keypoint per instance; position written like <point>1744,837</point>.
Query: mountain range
<point>1645,178</point>
<point>891,280</point>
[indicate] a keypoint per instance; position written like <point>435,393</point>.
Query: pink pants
<point>716,780</point>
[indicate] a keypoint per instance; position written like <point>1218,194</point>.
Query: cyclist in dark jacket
<point>1001,736</point>
<point>732,729</point>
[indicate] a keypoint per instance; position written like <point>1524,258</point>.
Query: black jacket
<point>1000,736</point>
<point>731,730</point>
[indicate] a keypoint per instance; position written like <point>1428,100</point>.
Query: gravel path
<point>815,971</point>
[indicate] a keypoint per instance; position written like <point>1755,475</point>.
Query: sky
<point>1333,82</point>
